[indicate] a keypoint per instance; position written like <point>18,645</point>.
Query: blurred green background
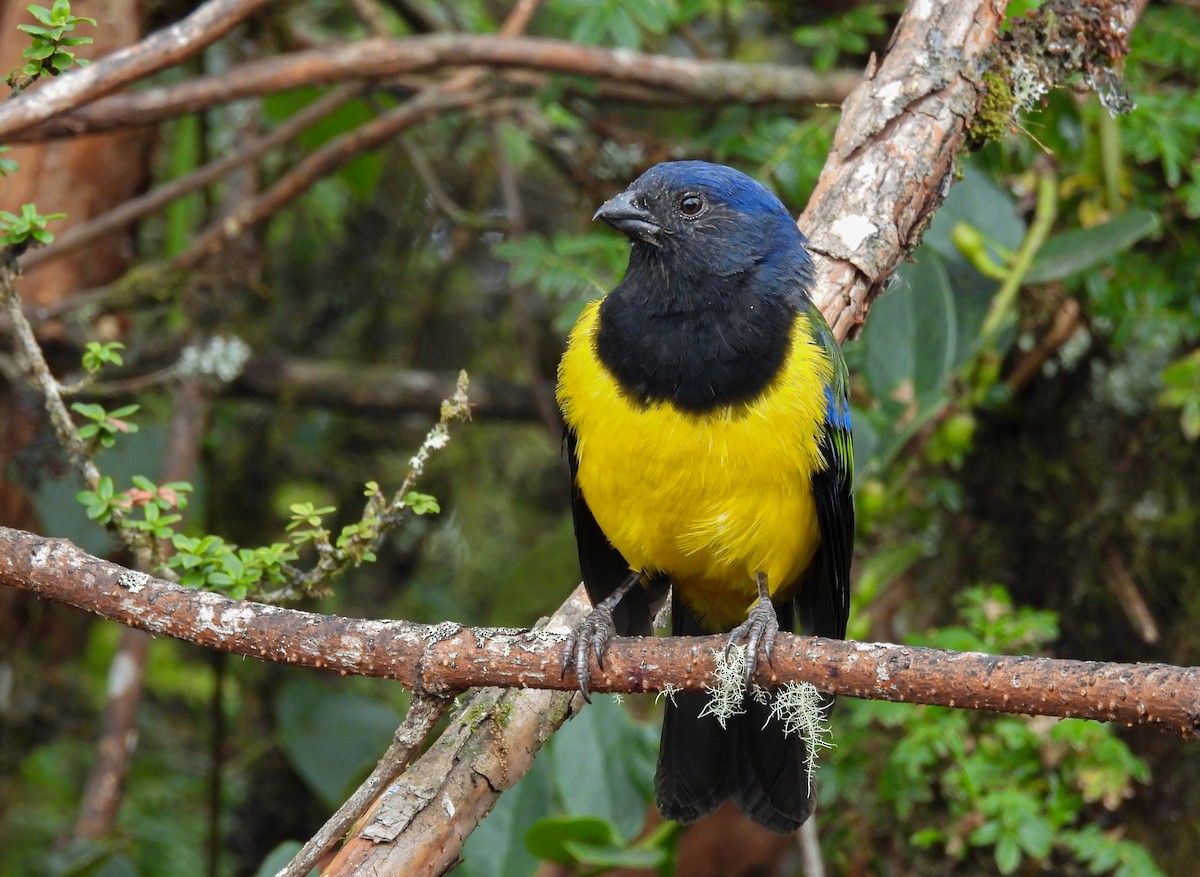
<point>1027,471</point>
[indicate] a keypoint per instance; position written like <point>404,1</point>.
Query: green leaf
<point>609,856</point>
<point>981,204</point>
<point>279,858</point>
<point>42,14</point>
<point>550,838</point>
<point>421,503</point>
<point>39,50</point>
<point>602,762</point>
<point>912,339</point>
<point>1008,854</point>
<point>1036,836</point>
<point>90,410</point>
<point>1078,249</point>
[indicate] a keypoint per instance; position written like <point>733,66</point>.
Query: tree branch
<point>377,388</point>
<point>868,208</point>
<point>448,657</point>
<point>210,240</point>
<point>894,152</point>
<point>423,715</point>
<point>161,49</point>
<point>708,82</point>
<point>81,235</point>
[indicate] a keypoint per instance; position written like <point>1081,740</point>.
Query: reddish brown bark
<point>449,657</point>
<point>869,209</point>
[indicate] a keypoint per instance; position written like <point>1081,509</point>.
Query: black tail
<point>749,761</point>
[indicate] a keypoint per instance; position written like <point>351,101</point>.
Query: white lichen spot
<point>133,581</point>
<point>448,805</point>
<point>227,621</point>
<point>891,93</point>
<point>438,632</point>
<point>853,229</point>
<point>221,357</point>
<point>626,58</point>
<point>434,440</point>
<point>921,10</point>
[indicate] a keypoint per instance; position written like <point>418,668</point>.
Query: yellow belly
<point>709,499</point>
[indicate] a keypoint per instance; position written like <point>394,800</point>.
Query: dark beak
<point>625,216</point>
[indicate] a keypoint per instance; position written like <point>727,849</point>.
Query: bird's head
<point>705,217</point>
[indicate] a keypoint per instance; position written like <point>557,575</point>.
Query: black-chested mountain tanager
<point>708,435</point>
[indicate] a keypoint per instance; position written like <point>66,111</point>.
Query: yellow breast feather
<point>709,499</point>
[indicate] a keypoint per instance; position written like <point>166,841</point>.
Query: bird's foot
<point>592,634</point>
<point>760,628</point>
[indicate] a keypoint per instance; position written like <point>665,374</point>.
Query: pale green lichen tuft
<point>803,710</point>
<point>727,692</point>
<point>669,691</point>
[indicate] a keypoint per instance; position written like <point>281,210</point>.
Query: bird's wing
<point>824,598</point>
<point>603,567</point>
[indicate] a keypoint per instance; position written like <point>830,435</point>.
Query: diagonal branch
<point>158,51</point>
<point>893,154</point>
<point>448,657</point>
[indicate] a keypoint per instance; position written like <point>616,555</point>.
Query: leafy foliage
<point>28,226</point>
<point>1021,789</point>
<point>50,49</point>
<point>103,426</point>
<point>209,563</point>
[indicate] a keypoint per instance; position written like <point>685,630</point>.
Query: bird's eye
<point>691,205</point>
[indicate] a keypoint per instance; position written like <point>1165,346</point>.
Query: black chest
<point>699,353</point>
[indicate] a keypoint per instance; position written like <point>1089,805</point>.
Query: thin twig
<point>441,199</point>
<point>423,714</point>
<point>39,369</point>
<point>159,197</point>
<point>317,165</point>
<point>372,16</point>
<point>522,303</point>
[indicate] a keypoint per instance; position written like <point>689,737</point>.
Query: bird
<point>709,444</point>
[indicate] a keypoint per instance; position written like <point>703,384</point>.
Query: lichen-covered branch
<point>904,126</point>
<point>448,657</point>
<point>33,359</point>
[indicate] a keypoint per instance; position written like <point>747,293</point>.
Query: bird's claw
<point>761,627</point>
<point>594,632</point>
